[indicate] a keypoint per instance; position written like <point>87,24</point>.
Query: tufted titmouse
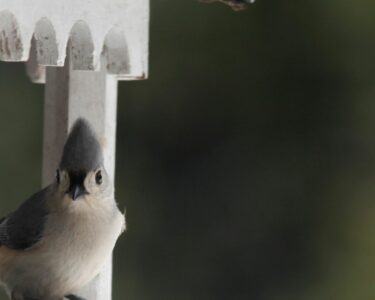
<point>59,238</point>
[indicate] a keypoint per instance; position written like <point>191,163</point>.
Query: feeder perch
<point>79,49</point>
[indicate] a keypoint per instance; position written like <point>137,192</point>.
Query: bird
<point>58,240</point>
<point>236,5</point>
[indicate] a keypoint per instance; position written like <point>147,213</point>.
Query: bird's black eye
<point>58,176</point>
<point>98,177</point>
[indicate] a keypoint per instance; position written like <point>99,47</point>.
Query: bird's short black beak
<point>77,191</point>
<point>77,187</point>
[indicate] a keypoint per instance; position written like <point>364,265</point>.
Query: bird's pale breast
<point>73,250</point>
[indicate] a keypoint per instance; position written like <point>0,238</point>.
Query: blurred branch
<point>236,5</point>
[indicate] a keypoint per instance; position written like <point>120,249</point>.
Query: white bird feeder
<point>79,49</point>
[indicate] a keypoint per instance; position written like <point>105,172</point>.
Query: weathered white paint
<point>70,94</point>
<point>117,28</point>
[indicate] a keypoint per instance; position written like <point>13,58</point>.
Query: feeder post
<point>71,94</point>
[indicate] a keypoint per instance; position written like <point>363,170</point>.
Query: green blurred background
<point>246,162</point>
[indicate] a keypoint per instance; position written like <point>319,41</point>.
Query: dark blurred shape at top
<point>236,5</point>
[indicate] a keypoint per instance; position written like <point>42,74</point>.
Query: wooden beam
<point>70,94</point>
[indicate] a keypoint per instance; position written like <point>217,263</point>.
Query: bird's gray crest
<point>82,151</point>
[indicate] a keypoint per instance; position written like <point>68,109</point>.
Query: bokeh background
<point>246,162</point>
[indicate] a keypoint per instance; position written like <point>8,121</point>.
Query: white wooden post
<point>79,48</point>
<point>71,94</point>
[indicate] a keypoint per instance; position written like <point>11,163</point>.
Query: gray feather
<point>24,227</point>
<point>82,151</point>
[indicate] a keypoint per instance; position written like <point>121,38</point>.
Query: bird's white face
<point>62,180</point>
<point>97,182</point>
<point>82,186</point>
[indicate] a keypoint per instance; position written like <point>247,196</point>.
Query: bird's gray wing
<point>24,227</point>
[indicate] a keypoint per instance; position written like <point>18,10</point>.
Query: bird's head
<point>81,170</point>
